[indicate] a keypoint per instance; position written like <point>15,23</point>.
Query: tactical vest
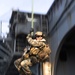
<point>42,53</point>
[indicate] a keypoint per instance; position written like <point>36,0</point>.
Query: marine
<point>39,52</point>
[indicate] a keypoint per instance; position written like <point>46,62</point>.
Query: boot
<point>26,70</point>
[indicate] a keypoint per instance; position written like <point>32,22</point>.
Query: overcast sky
<point>6,7</point>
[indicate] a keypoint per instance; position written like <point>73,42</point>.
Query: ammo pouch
<point>34,51</point>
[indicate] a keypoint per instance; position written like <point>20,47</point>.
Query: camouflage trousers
<point>23,66</point>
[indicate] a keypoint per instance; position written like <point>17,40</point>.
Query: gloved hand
<point>32,30</point>
<point>30,33</point>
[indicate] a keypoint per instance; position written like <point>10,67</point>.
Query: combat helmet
<point>39,33</point>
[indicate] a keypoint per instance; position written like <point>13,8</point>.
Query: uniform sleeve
<point>35,43</point>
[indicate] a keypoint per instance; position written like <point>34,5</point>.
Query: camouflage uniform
<point>39,49</point>
<point>23,69</point>
<point>36,45</point>
<point>38,52</point>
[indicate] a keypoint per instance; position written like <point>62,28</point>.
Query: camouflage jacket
<point>35,43</point>
<point>39,48</point>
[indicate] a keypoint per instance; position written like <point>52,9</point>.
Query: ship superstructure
<point>13,46</point>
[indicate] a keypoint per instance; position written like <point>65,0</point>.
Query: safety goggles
<point>38,35</point>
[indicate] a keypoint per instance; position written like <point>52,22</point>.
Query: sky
<point>6,7</point>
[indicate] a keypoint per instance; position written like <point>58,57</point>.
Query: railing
<point>5,57</point>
